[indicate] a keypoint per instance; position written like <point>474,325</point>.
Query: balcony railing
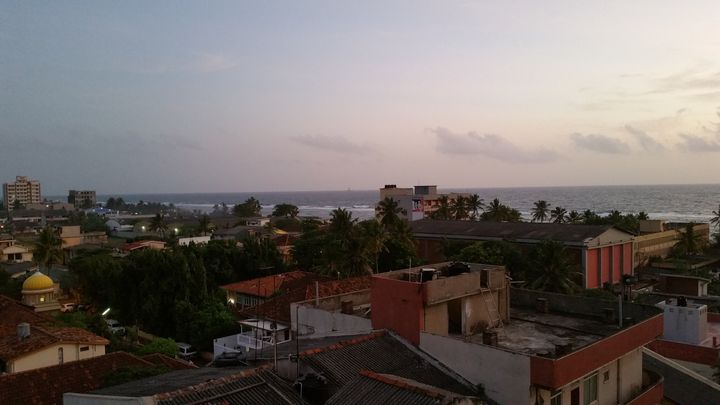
<point>652,390</point>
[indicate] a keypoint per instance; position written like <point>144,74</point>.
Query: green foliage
<point>552,272</point>
<point>87,222</point>
<point>388,211</point>
<point>498,212</point>
<point>558,215</point>
<point>158,224</point>
<point>167,347</point>
<point>9,286</point>
<point>285,210</point>
<point>132,373</point>
<point>690,243</point>
<point>498,253</point>
<point>540,211</point>
<point>626,222</point>
<point>250,208</point>
<point>48,248</point>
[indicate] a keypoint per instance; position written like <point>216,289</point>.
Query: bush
<point>167,347</point>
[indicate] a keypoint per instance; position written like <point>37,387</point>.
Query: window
<point>556,398</point>
<point>606,376</point>
<point>60,355</point>
<point>590,389</point>
<point>84,348</point>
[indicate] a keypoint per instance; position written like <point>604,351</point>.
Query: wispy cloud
<point>648,143</point>
<point>492,146</point>
<point>697,144</point>
<point>335,143</point>
<point>600,143</point>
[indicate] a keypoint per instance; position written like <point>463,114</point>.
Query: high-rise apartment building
<point>82,198</point>
<point>22,191</point>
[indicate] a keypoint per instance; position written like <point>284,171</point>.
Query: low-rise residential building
<point>71,235</point>
<point>417,202</point>
<point>48,384</point>
<point>523,346</point>
<point>603,253</point>
<point>11,251</point>
<point>29,340</point>
<point>249,293</point>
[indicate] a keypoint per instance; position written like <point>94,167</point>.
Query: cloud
<point>337,144</point>
<point>492,146</point>
<point>646,141</point>
<point>697,144</point>
<point>690,80</point>
<point>600,143</point>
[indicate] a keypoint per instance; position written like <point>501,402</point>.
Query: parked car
<point>115,327</point>
<point>186,351</point>
<point>228,359</point>
<point>68,307</point>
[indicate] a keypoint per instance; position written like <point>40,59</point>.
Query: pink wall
<point>616,259</point>
<point>397,305</point>
<point>617,263</point>
<point>628,265</point>
<point>591,268</point>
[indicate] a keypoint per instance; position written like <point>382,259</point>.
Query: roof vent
<point>490,337</point>
<point>23,331</point>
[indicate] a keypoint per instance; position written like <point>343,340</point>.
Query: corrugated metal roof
<point>381,353</point>
<point>248,387</point>
<point>369,391</point>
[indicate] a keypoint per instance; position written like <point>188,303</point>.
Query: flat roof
<point>440,268</point>
<point>533,333</point>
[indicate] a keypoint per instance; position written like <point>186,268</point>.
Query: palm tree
<point>558,214</point>
<point>204,224</point>
<point>689,242</point>
<point>574,217</point>
<point>388,211</point>
<point>474,204</point>
<point>443,210</point>
<point>48,248</point>
<point>551,259</point>
<point>341,223</point>
<point>540,211</point>
<point>375,237</point>
<point>642,216</point>
<point>494,211</point>
<point>158,224</point>
<point>716,219</point>
<point>458,208</point>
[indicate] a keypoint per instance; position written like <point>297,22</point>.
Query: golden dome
<point>37,281</point>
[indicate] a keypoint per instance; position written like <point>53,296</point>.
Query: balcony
<point>652,390</point>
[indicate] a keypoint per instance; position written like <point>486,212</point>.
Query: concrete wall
<point>436,319</point>
<point>398,306</point>
<point>685,324</point>
<point>504,375</point>
<point>630,379</point>
<point>316,322</point>
<point>49,356</point>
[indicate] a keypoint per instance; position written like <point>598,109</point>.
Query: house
<point>71,235</point>
<point>682,284</point>
<point>603,253</point>
<point>48,384</point>
<point>418,202</point>
<point>249,293</point>
<point>29,340</point>
<point>202,386</point>
<point>197,240</point>
<point>11,251</point>
<point>523,346</point>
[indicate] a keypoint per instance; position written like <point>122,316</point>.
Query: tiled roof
<point>337,287</point>
<point>370,388</point>
<point>47,385</point>
<point>577,233</point>
<point>162,360</point>
<point>41,337</point>
<point>278,308</point>
<point>379,352</point>
<point>267,286</point>
<point>42,333</point>
<point>257,386</point>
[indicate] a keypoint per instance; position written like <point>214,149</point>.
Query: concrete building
<point>658,238</point>
<point>12,252</point>
<point>40,292</point>
<point>603,253</point>
<point>23,191</point>
<point>418,202</point>
<point>82,198</point>
<point>71,235</point>
<point>523,346</point>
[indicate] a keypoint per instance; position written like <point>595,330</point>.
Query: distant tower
<point>23,191</point>
<point>38,291</point>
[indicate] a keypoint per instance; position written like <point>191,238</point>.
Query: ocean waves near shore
<point>669,202</point>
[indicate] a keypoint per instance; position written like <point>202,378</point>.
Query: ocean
<point>680,203</point>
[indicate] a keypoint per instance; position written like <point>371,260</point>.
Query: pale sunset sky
<point>211,96</point>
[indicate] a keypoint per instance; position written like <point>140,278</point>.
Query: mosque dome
<point>36,282</point>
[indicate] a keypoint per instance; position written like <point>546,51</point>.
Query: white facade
<point>687,324</point>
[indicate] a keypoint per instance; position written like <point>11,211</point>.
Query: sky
<point>213,96</point>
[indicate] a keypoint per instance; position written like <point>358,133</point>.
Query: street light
<point>105,312</point>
